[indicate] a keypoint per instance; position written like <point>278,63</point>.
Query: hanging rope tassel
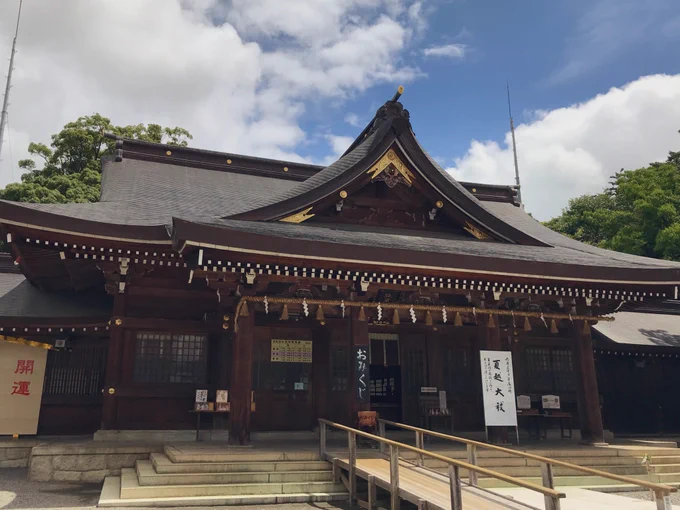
<point>362,314</point>
<point>284,313</point>
<point>553,327</point>
<point>457,321</point>
<point>428,318</point>
<point>319,314</point>
<point>527,324</point>
<point>395,318</point>
<point>244,310</point>
<point>491,323</point>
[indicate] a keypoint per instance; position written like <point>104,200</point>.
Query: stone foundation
<point>85,463</point>
<point>160,436</point>
<point>14,455</point>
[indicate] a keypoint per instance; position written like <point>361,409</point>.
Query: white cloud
<point>571,151</point>
<point>338,144</point>
<point>236,74</point>
<point>455,51</point>
<point>353,120</point>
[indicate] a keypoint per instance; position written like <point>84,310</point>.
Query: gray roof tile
<point>18,298</point>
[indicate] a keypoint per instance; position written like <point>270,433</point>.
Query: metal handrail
<point>551,495</point>
<point>656,487</point>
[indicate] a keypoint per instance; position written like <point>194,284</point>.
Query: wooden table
<point>541,420</point>
<point>198,418</point>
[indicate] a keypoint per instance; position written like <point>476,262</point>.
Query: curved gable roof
<point>389,128</point>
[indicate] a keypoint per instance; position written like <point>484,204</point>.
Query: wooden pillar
<point>590,415</point>
<point>221,365</point>
<point>490,340</point>
<point>359,338</point>
<point>241,380</point>
<point>321,371</point>
<point>114,367</point>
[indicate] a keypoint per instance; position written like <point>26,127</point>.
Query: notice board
<point>498,388</point>
<point>291,351</point>
<point>22,372</point>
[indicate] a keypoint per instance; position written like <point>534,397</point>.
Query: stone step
<point>662,459</point>
<point>664,468</point>
<point>162,464</point>
<point>227,454</point>
<point>110,497</point>
<point>131,489</point>
<point>146,475</point>
<point>667,477</point>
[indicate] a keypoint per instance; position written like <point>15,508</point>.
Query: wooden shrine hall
<point>269,279</point>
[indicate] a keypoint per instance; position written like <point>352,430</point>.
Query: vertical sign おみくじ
<point>361,372</point>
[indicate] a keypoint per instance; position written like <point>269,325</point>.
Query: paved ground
<point>646,496</point>
<point>17,492</point>
<point>583,499</point>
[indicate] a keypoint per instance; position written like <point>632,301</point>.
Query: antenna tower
<point>514,149</point>
<point>5,102</point>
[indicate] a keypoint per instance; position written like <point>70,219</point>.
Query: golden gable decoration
<point>392,170</point>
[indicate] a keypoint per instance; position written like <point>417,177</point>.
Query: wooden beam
<point>161,324</point>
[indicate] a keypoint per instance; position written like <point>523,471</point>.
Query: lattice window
<point>78,372</point>
<point>548,369</point>
<point>339,367</point>
<point>170,358</point>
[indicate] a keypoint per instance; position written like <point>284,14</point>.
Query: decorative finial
<point>397,95</point>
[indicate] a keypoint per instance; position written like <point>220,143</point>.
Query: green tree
<point>71,164</point>
<point>638,214</point>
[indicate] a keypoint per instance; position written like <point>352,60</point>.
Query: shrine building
<point>270,279</point>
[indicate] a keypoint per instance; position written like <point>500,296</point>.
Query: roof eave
<point>222,238</point>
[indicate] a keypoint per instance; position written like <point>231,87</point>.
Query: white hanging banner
<point>498,389</point>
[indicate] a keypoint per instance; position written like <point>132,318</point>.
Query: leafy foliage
<point>71,164</point>
<point>639,214</point>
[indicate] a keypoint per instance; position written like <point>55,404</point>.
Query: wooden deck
<point>423,487</point>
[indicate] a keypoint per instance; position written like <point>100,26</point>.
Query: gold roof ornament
<point>298,217</point>
<point>388,161</point>
<point>469,227</point>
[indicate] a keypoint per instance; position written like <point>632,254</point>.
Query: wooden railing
<point>552,497</point>
<point>661,492</point>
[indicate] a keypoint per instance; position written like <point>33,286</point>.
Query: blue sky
<point>530,44</point>
<point>595,84</point>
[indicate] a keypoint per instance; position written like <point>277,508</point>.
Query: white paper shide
<point>498,389</point>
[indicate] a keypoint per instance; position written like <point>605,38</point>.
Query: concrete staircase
<point>664,466</point>
<point>221,476</point>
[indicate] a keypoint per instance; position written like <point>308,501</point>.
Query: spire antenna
<point>5,102</point>
<point>514,148</point>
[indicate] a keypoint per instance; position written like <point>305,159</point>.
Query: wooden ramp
<point>422,487</point>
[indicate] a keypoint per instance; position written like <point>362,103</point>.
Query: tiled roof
<point>568,253</point>
<point>19,298</point>
<point>650,329</point>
